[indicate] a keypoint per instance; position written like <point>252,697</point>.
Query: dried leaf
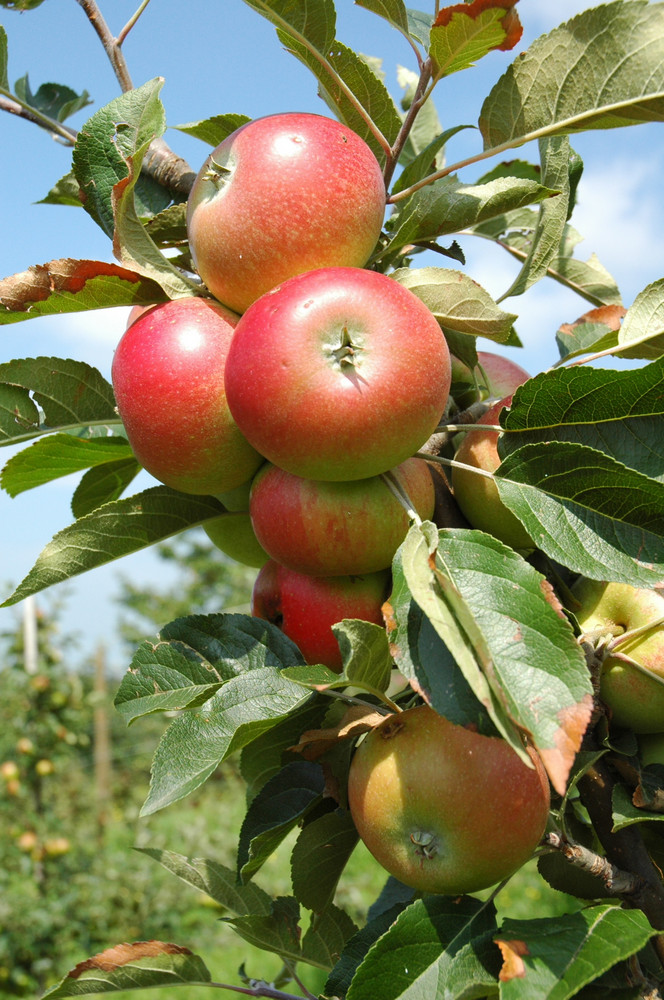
<point>124,954</point>
<point>513,964</point>
<point>510,22</point>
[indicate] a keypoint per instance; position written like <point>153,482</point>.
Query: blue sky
<point>219,56</point>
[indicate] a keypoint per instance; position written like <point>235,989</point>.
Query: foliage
<point>476,629</point>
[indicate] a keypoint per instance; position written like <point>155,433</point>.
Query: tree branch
<point>112,46</point>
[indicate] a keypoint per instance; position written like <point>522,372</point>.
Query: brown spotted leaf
<point>132,966</point>
<point>513,965</point>
<point>67,285</point>
<point>358,719</point>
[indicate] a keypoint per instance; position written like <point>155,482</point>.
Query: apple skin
<point>305,607</point>
<point>442,808</point>
<point>336,529</point>
<point>338,374</point>
<point>477,496</point>
<point>282,195</point>
<point>636,701</point>
<point>503,378</point>
<point>168,379</point>
<point>233,534</point>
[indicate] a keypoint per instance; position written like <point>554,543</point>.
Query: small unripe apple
<point>25,745</point>
<point>55,847</point>
<point>168,379</point>
<point>27,841</point>
<point>477,495</point>
<point>497,377</point>
<point>9,769</point>
<point>340,528</point>
<point>44,767</point>
<point>443,808</point>
<point>234,535</point>
<point>634,696</point>
<point>306,607</point>
<point>283,194</point>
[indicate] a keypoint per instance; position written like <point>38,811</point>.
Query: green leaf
<point>587,511</point>
<point>214,130</point>
<point>141,965</point>
<point>615,412</point>
<point>563,954</point>
<point>457,302</point>
<point>520,640</point>
<point>217,881</point>
<point>71,394</point>
<point>278,931</point>
<point>60,455</point>
<point>365,653</point>
<point>555,156</point>
<point>265,756</point>
<point>326,937</point>
<point>426,161</point>
<point>642,332</point>
<point>357,947</point>
<point>319,856</point>
<point>64,192</point>
<point>112,531</point>
<point>420,950</point>
<point>425,133</point>
<point>103,484</point>
<point>466,38</point>
<point>448,206</point>
<point>602,69</point>
<point>4,82</point>
<point>67,285</point>
<point>625,813</point>
<point>280,805</point>
<point>52,99</point>
<point>393,11</point>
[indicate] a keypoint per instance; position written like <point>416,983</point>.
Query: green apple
<point>633,687</point>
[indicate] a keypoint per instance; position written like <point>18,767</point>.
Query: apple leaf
<point>358,945</point>
<point>642,332</point>
<point>60,455</point>
<point>434,940</point>
<point>393,11</point>
<point>63,286</point>
<point>319,856</point>
<point>64,192</point>
<point>448,206</point>
<point>140,965</point>
<point>587,511</point>
<point>72,396</point>
<point>4,81</point>
<point>457,302</point>
<point>463,33</point>
<point>523,643</point>
<point>265,756</point>
<point>278,931</point>
<point>615,412</point>
<point>626,813</point>
<point>103,484</point>
<point>426,136</point>
<point>426,662</point>
<point>214,879</point>
<point>589,332</point>
<point>365,653</point>
<point>279,807</point>
<point>326,937</point>
<point>604,66</point>
<point>552,958</point>
<point>421,164</point>
<point>214,130</point>
<point>249,656</point>
<point>114,530</point>
<point>54,100</point>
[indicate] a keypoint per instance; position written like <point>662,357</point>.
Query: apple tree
<point>484,685</point>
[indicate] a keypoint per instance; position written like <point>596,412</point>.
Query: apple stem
<point>639,630</point>
<point>400,494</point>
<point>454,464</point>
<point>455,428</point>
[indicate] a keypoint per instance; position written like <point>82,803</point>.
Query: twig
<point>131,22</point>
<point>112,46</point>
<point>258,989</point>
<point>616,881</point>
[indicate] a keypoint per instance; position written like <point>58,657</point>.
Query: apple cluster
<point>300,393</point>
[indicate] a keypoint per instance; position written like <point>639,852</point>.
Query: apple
<point>233,534</point>
<point>9,770</point>
<point>305,607</point>
<point>497,377</point>
<point>443,808</point>
<point>651,748</point>
<point>634,695</point>
<point>44,767</point>
<point>168,379</point>
<point>477,495</point>
<point>338,374</point>
<point>336,528</point>
<point>282,195</point>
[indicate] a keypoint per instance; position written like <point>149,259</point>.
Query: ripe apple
<point>476,495</point>
<point>168,378</point>
<point>338,374</point>
<point>497,377</point>
<point>9,770</point>
<point>282,195</point>
<point>305,607</point>
<point>443,808</point>
<point>635,696</point>
<point>44,767</point>
<point>334,529</point>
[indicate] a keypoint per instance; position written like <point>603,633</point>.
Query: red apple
<point>443,808</point>
<point>477,495</point>
<point>305,607</point>
<point>282,195</point>
<point>168,378</point>
<point>634,694</point>
<point>332,529</point>
<point>338,374</point>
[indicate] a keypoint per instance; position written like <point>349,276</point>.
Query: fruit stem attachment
<point>454,464</point>
<point>400,494</point>
<point>632,633</point>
